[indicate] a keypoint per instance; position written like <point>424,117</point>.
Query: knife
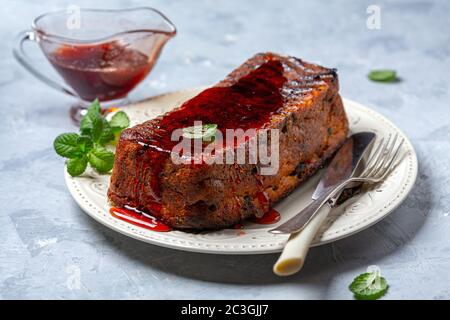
<point>304,226</point>
<point>345,164</point>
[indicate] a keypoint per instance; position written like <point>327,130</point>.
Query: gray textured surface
<point>45,236</point>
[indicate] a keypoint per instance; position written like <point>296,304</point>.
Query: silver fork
<point>379,164</point>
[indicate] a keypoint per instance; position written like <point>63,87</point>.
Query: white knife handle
<point>294,253</point>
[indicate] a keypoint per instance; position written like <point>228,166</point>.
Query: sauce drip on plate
<point>271,216</point>
<point>139,219</point>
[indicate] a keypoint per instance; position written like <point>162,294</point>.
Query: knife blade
<point>346,163</point>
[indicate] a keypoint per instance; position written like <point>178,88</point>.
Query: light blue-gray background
<point>44,235</point>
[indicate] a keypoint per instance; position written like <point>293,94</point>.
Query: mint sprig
<point>369,286</point>
<point>89,145</point>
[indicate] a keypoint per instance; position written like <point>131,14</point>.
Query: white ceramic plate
<point>89,191</point>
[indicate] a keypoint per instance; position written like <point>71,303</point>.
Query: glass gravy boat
<point>99,53</point>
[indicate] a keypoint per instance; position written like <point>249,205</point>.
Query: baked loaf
<point>268,91</point>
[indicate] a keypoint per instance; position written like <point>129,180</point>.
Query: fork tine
<point>377,157</point>
<point>391,163</point>
<point>386,156</point>
<point>372,157</point>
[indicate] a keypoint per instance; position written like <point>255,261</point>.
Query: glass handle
<point>24,60</point>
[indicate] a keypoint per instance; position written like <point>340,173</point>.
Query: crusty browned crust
<point>312,126</point>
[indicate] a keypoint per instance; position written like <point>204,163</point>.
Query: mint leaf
<point>101,159</point>
<point>205,132</point>
<point>369,286</point>
<point>107,134</point>
<point>120,120</point>
<point>383,75</point>
<point>117,133</point>
<point>85,143</point>
<point>93,113</point>
<point>102,132</point>
<point>67,145</point>
<point>76,166</point>
<point>93,124</point>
